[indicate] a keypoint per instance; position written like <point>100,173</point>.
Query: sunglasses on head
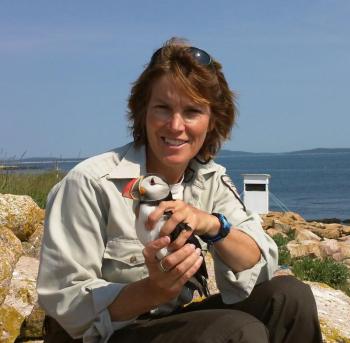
<point>199,55</point>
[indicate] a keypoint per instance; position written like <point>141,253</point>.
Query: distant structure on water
<point>256,192</point>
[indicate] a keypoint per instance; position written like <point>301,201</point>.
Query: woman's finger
<point>157,214</point>
<point>184,271</point>
<point>177,217</point>
<point>171,261</point>
<point>182,268</point>
<point>192,270</point>
<point>181,239</point>
<point>151,249</point>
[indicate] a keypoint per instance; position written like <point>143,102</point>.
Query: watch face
<point>225,227</point>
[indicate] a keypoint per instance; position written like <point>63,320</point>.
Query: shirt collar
<point>133,164</point>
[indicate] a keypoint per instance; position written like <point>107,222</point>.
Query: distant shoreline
<point>222,153</point>
<point>316,151</point>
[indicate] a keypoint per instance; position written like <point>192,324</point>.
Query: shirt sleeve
<point>236,286</point>
<point>70,284</point>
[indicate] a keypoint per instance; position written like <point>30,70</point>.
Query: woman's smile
<point>172,142</point>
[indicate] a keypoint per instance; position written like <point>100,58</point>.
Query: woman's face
<point>176,128</point>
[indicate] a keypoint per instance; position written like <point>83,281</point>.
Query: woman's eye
<point>161,109</point>
<point>193,112</point>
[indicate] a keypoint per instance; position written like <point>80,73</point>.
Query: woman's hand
<point>199,221</point>
<point>179,267</point>
<point>238,250</point>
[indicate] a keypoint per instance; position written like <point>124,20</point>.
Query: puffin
<point>149,190</point>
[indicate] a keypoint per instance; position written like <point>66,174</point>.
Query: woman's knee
<point>204,326</point>
<point>291,289</point>
<point>228,326</point>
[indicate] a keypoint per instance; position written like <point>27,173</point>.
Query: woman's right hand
<point>180,266</point>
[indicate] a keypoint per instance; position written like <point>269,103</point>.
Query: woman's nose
<point>176,122</point>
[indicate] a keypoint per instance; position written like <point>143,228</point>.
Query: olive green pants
<point>280,310</point>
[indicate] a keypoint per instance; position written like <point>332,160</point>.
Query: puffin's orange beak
<point>131,189</point>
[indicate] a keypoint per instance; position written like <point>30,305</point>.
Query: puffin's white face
<point>153,187</point>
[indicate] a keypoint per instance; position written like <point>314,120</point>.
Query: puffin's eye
<point>152,182</point>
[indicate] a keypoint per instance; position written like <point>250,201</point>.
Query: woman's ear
<point>211,123</point>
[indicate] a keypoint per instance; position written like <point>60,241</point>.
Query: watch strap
<point>225,227</point>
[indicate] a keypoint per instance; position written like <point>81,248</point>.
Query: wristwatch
<point>225,227</point>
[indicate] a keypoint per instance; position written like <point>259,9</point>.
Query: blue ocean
<point>315,185</point>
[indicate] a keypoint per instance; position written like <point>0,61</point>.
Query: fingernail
<point>167,239</point>
<point>198,251</point>
<point>192,246</point>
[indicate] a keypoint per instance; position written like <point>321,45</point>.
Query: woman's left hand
<point>199,221</point>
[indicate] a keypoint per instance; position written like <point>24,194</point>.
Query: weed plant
<point>284,257</point>
<point>308,268</point>
<point>35,185</point>
<point>326,270</point>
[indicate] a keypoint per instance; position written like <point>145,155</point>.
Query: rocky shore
<point>21,230</point>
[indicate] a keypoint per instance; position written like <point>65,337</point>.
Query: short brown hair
<point>204,84</point>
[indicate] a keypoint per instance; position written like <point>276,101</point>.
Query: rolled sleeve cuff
<point>235,287</point>
<point>251,226</point>
<point>102,328</point>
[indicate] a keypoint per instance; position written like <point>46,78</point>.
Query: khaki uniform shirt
<point>90,249</point>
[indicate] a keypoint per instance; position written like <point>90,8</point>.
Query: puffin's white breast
<point>144,235</point>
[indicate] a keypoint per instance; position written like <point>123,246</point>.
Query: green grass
<point>328,271</point>
<point>283,253</point>
<point>35,185</point>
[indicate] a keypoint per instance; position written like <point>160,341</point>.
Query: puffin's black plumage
<point>201,275</point>
<point>150,190</point>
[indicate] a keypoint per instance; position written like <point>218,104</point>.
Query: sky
<point>66,68</point>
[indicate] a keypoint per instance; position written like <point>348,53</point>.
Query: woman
<point>100,284</point>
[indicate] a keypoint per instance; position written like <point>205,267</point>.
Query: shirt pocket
<point>123,261</point>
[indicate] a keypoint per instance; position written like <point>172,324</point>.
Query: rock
<point>303,235</point>
<point>10,320</point>
<point>293,217</point>
<point>290,217</point>
<point>306,248</point>
<point>329,247</point>
<point>20,214</point>
<point>317,224</point>
<point>21,298</point>
<point>334,226</point>
<point>333,310</point>
<point>33,324</point>
<point>345,230</point>
<point>344,239</point>
<point>281,227</point>
<point>273,232</point>
<point>330,231</point>
<point>344,250</point>
<point>10,251</point>
<point>327,220</point>
<point>32,247</point>
<point>268,223</point>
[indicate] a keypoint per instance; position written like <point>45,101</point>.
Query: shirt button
<point>133,259</point>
